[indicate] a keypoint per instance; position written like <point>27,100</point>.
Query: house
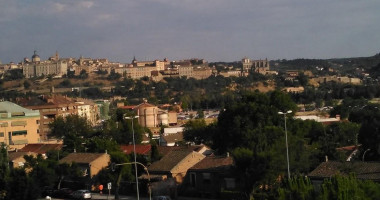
<point>16,159</point>
<point>175,164</point>
<point>170,139</point>
<point>209,177</point>
<point>362,170</point>
<point>89,163</point>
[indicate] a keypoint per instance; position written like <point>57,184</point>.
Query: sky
<point>215,30</point>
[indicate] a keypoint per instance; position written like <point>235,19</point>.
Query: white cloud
<point>85,4</point>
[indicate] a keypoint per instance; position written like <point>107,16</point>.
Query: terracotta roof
<point>41,148</point>
<point>85,158</point>
<point>363,170</point>
<point>169,161</point>
<point>214,163</point>
<point>140,149</point>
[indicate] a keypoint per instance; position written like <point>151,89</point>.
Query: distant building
<point>338,79</point>
<point>294,89</point>
<point>18,126</point>
<point>258,66</point>
<point>36,68</point>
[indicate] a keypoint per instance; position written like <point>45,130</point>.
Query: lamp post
<point>134,153</point>
<point>113,165</point>
<point>286,139</point>
<point>364,154</point>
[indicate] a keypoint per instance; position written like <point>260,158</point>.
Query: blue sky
<point>216,30</point>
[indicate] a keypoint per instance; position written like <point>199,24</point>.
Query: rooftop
<point>214,163</point>
<point>363,170</point>
<point>41,148</point>
<point>169,161</point>
<point>140,149</point>
<point>11,109</point>
<point>83,158</point>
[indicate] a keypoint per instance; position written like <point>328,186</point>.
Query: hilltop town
<point>196,128</point>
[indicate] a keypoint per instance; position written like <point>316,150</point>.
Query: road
<point>122,197</point>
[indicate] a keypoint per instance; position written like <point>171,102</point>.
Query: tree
<point>27,84</point>
<point>73,129</point>
<point>195,131</point>
<point>83,74</point>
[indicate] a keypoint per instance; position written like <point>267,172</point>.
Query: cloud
<point>212,29</point>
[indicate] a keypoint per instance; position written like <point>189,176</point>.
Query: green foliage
<point>337,187</point>
<point>65,83</point>
<point>299,188</point>
<point>26,84</point>
<point>195,131</point>
<point>114,76</point>
<point>73,129</point>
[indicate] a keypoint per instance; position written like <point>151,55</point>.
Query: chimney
<point>337,117</point>
<point>326,158</point>
<point>106,151</point>
<point>228,154</point>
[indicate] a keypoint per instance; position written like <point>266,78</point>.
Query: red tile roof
<point>41,148</point>
<point>140,149</point>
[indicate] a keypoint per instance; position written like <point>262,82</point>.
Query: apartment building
<point>50,107</point>
<point>18,125</point>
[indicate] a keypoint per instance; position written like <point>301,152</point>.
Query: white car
<point>81,194</point>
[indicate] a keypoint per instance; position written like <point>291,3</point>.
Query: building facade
<point>18,126</point>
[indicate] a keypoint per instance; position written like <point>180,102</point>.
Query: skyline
<point>215,30</point>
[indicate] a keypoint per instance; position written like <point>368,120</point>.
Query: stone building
<point>37,68</point>
<point>258,66</point>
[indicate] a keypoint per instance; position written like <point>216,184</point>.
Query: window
<point>19,133</point>
<point>230,183</point>
<point>206,177</point>
<point>1,134</point>
<point>192,179</point>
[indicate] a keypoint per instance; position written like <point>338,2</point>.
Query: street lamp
<point>134,153</point>
<point>365,153</point>
<point>113,165</point>
<point>286,139</point>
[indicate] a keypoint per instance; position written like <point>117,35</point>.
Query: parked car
<point>81,194</point>
<point>161,198</point>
